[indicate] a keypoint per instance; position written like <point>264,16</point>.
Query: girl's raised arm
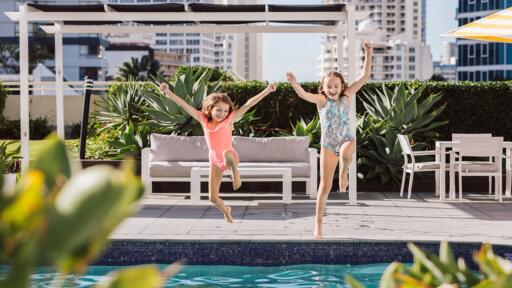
<point>367,71</point>
<point>310,97</point>
<point>164,88</point>
<point>239,113</point>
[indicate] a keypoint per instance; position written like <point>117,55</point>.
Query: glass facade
<point>482,61</point>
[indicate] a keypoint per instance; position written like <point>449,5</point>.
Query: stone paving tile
<point>377,216</point>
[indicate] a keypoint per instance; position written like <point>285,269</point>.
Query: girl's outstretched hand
<point>164,88</point>
<point>271,88</point>
<point>290,77</point>
<point>367,47</point>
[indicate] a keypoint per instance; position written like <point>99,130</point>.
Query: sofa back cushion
<point>272,149</point>
<point>178,148</point>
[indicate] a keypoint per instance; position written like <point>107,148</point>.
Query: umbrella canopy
<point>496,27</point>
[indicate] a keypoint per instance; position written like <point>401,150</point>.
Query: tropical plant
<point>444,271</point>
<point>437,77</point>
<point>62,217</point>
<point>10,157</point>
<point>249,126</point>
<point>311,129</point>
<point>142,69</point>
<point>217,74</point>
<point>130,142</point>
<point>166,115</point>
<point>122,105</point>
<point>10,53</point>
<point>390,113</point>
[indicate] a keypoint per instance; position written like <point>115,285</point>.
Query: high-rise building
<point>449,53</point>
<point>482,61</point>
<point>397,29</point>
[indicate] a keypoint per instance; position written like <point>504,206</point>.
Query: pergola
<point>181,18</point>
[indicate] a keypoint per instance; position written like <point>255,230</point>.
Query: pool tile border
<point>275,253</point>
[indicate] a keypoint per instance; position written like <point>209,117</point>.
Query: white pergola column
<point>352,60</point>
<point>24,93</point>
<point>59,80</point>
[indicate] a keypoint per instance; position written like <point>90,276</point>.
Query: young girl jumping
<point>217,116</point>
<point>337,141</point>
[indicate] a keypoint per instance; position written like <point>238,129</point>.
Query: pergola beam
<point>353,55</point>
<point>59,80</point>
<point>179,16</point>
<point>24,96</point>
<point>187,29</point>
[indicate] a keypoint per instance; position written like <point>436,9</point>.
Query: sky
<point>299,52</point>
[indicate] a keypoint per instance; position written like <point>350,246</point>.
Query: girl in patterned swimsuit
<point>217,117</point>
<point>337,141</point>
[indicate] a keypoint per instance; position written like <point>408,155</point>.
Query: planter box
<point>114,163</point>
<point>9,183</point>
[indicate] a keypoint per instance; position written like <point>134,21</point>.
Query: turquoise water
<point>295,276</point>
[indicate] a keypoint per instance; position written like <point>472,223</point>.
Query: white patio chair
<point>491,148</point>
<point>413,166</point>
<point>469,136</point>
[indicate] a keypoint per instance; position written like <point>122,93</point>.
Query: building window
<point>89,50</point>
<point>193,41</point>
<point>160,42</point>
<point>161,34</point>
<point>471,51</point>
<point>176,42</point>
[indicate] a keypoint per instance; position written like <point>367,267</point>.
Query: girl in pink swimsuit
<point>217,117</point>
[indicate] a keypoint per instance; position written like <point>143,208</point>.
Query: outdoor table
<point>442,146</point>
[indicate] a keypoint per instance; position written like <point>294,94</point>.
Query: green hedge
<point>472,107</point>
<point>280,108</point>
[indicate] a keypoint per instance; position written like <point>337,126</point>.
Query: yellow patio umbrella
<point>496,27</point>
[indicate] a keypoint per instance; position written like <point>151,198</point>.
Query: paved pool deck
<point>377,216</point>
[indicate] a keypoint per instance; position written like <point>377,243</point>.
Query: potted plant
<point>9,163</point>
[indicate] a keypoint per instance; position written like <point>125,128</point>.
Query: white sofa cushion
<point>272,149</point>
<point>178,148</point>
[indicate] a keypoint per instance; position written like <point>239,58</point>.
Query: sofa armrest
<point>313,172</point>
<point>144,169</point>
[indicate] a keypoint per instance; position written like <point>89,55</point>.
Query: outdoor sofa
<point>172,158</point>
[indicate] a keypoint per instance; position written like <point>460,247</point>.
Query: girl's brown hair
<point>331,74</point>
<point>213,99</point>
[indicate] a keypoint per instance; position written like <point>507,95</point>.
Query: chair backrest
<point>457,136</point>
<point>405,144</point>
<point>480,147</point>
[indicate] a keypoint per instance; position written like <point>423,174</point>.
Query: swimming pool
<point>294,276</point>
<point>263,263</point>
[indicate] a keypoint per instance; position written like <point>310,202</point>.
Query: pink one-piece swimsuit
<point>218,139</point>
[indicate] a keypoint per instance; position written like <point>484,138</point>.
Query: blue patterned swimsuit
<point>335,123</point>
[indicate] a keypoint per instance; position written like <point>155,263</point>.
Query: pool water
<point>299,276</point>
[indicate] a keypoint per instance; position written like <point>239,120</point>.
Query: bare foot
<point>237,182</point>
<point>318,233</point>
<point>227,215</point>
